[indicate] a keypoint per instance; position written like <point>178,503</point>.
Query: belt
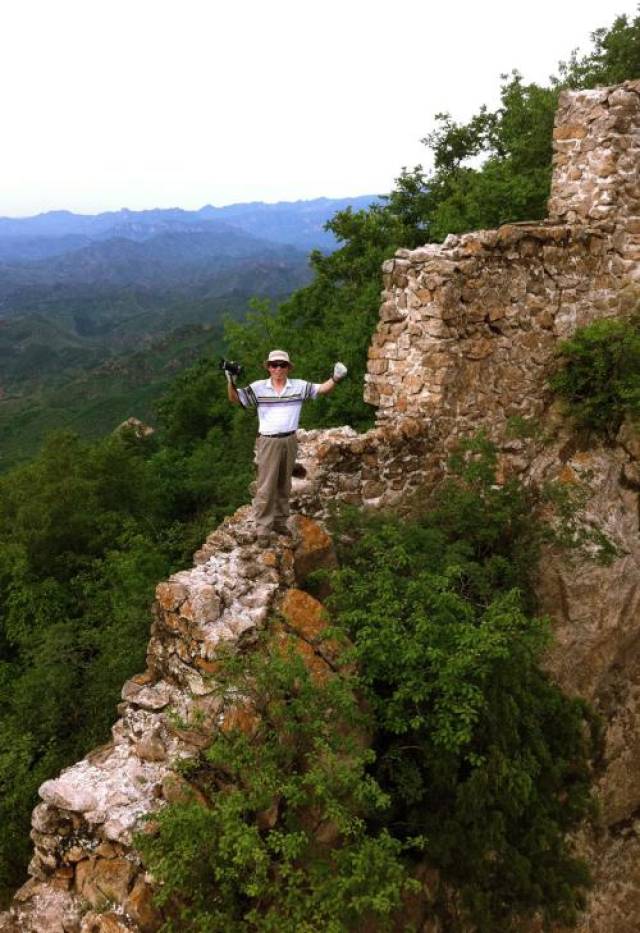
<point>284,434</point>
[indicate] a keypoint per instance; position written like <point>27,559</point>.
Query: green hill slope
<point>93,400</point>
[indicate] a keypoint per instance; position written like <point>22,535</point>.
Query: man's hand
<point>231,369</point>
<point>339,372</point>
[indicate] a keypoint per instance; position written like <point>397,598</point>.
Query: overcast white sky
<point>159,103</point>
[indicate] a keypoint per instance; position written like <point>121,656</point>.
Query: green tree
<point>66,521</point>
<point>259,856</point>
<point>480,753</point>
<point>599,375</point>
<point>615,57</point>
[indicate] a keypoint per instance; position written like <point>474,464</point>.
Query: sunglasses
<point>278,365</point>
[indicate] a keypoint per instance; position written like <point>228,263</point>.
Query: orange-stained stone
<point>286,559</point>
<point>175,623</point>
<point>304,614</point>
<point>567,475</point>
<point>269,559</point>
<point>207,667</point>
<point>242,717</point>
<point>314,550</point>
<point>139,906</point>
<point>143,679</point>
<point>312,535</point>
<point>315,664</point>
<point>170,595</point>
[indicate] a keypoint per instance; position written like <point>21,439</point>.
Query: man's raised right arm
<point>232,392</point>
<point>245,397</point>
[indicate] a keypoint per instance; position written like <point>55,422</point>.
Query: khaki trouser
<point>276,457</point>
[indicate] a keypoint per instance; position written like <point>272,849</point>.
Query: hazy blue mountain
<point>163,261</point>
<point>296,223</point>
<point>25,248</point>
<point>83,306</point>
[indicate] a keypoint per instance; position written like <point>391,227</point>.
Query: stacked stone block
<point>596,156</point>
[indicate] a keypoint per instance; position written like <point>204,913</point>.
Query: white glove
<point>231,379</point>
<point>339,372</point>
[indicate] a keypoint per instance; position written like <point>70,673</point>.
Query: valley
<point>98,313</point>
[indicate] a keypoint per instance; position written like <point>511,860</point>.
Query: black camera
<point>230,366</point>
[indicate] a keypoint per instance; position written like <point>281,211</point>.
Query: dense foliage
<point>481,765</point>
<point>478,750</point>
<point>599,378</point>
<point>86,531</point>
<point>280,791</point>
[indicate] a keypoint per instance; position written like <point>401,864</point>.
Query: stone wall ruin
<point>468,329</point>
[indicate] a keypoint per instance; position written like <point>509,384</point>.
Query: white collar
<point>284,387</point>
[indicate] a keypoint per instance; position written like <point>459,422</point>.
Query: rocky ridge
<point>466,338</point>
<point>84,862</point>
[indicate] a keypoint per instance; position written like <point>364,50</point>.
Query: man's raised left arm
<point>339,372</point>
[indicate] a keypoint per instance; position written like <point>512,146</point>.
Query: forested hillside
<point>87,529</point>
<point>79,292</point>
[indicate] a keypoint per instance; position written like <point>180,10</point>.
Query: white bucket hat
<point>279,356</point>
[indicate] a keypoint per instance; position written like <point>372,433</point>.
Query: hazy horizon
<point>179,207</point>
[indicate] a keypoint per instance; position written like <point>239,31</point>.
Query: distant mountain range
<point>299,224</point>
<point>89,274</point>
<point>188,261</point>
<point>78,292</point>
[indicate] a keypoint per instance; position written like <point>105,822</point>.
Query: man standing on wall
<point>279,401</point>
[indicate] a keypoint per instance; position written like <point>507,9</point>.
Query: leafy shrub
<point>600,376</point>
<point>253,858</point>
<point>480,753</point>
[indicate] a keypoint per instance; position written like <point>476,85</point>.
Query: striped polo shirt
<point>277,413</point>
